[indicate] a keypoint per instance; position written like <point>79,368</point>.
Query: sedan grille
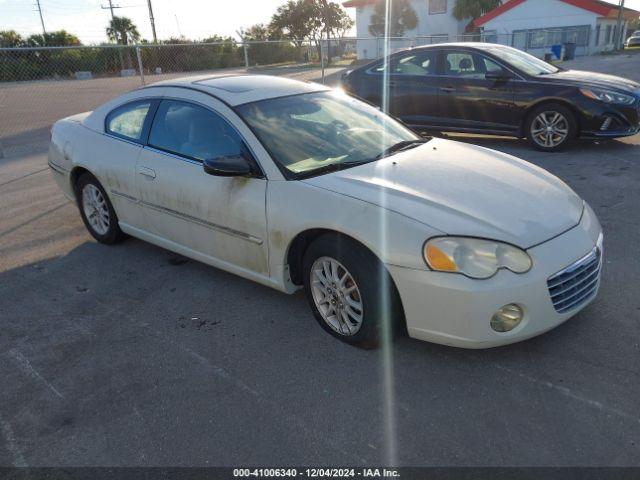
<point>577,283</point>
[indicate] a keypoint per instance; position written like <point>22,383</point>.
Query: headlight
<point>608,96</point>
<point>474,257</point>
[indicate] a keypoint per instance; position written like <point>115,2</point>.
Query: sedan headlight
<point>608,96</point>
<point>474,257</point>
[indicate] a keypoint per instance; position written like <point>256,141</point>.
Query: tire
<point>102,224</point>
<point>555,116</point>
<point>379,319</point>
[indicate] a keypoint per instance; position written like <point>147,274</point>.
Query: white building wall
<point>543,14</point>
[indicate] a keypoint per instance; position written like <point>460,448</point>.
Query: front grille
<point>577,283</point>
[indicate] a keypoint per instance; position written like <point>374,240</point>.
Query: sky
<point>85,18</point>
<point>194,19</point>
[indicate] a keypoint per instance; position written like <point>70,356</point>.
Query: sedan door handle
<point>448,89</point>
<point>147,172</point>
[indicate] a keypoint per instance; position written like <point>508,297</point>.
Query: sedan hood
<point>462,189</point>
<point>593,79</point>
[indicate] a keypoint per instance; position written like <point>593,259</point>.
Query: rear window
<point>128,121</point>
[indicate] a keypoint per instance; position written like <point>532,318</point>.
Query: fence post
<point>322,58</point>
<point>140,64</point>
<point>246,54</point>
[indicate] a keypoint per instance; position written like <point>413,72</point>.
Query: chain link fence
<point>40,85</point>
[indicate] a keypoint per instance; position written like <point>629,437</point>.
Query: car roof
<point>478,45</point>
<point>237,89</point>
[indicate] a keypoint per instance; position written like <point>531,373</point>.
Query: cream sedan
<point>294,185</point>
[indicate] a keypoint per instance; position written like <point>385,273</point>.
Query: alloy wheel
<point>95,209</point>
<point>550,129</point>
<point>336,296</point>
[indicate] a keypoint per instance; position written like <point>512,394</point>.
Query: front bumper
<point>600,120</point>
<point>454,310</point>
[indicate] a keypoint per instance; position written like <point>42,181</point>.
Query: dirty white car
<point>294,185</point>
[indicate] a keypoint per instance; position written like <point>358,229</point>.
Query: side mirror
<point>237,165</point>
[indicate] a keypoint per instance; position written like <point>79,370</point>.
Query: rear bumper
<point>62,177</point>
<point>454,310</point>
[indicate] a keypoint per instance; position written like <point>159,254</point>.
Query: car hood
<point>593,79</point>
<point>460,189</point>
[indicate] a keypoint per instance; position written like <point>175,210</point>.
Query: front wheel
<point>551,127</point>
<point>351,294</point>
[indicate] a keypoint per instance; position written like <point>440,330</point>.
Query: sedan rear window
<point>128,121</point>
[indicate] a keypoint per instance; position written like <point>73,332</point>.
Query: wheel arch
<point>299,244</point>
<point>75,174</point>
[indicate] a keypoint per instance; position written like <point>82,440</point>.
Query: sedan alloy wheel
<point>95,209</point>
<point>550,129</point>
<point>336,296</point>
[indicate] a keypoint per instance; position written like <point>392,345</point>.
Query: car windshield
<point>523,61</point>
<point>318,132</point>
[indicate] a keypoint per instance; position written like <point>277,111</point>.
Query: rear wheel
<point>350,292</point>
<point>96,210</point>
<point>551,127</point>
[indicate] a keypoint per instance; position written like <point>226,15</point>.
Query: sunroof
<point>233,84</point>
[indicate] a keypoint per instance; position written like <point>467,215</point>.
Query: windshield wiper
<point>332,167</point>
<point>401,146</point>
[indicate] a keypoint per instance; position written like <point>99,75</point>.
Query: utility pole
<point>44,31</point>
<point>110,7</point>
<point>619,35</point>
<point>153,23</point>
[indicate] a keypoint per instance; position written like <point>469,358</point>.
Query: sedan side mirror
<point>237,165</point>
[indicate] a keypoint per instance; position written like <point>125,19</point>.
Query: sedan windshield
<point>523,61</point>
<point>315,133</point>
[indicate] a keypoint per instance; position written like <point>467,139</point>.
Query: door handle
<point>447,89</point>
<point>147,172</point>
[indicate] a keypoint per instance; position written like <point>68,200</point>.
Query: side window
<point>490,66</point>
<point>192,131</point>
<point>464,65</point>
<point>418,63</point>
<point>127,121</point>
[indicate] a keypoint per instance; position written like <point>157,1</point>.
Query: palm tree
<point>122,30</point>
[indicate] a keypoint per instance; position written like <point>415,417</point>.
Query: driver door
<point>471,99</point>
<point>221,217</point>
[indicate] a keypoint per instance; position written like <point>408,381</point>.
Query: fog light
<point>507,318</point>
